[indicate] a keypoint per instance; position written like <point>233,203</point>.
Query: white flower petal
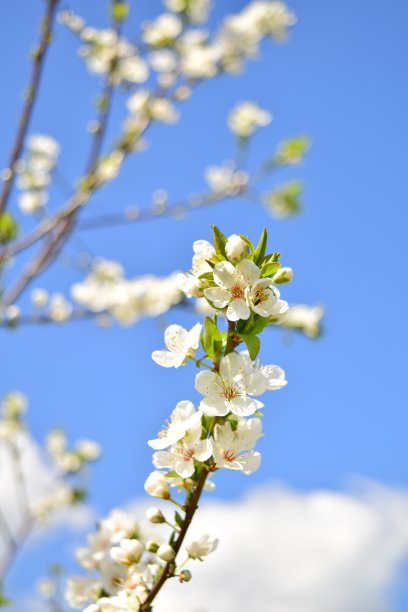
<point>245,406</point>
<point>238,309</point>
<point>249,271</point>
<point>224,274</point>
<point>168,359</point>
<point>203,450</point>
<point>184,469</point>
<point>176,338</point>
<point>205,382</point>
<point>214,407</point>
<point>219,297</point>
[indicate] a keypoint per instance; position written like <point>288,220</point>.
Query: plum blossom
<point>201,547</point>
<point>190,283</point>
<point>245,118</point>
<point>181,345</point>
<point>304,318</point>
<point>233,449</point>
<point>242,290</point>
<point>230,389</point>
<point>183,417</point>
<point>273,377</point>
<point>181,456</point>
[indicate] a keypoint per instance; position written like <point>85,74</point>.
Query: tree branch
<point>31,94</point>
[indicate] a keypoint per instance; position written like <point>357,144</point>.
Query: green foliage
<point>120,10</point>
<point>8,228</point>
<point>253,344</point>
<point>259,253</point>
<point>211,338</point>
<point>293,150</point>
<point>220,240</point>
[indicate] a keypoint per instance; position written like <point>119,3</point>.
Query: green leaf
<point>269,269</point>
<point>220,240</point>
<point>261,248</point>
<point>8,228</point>
<point>253,344</point>
<point>178,519</point>
<point>211,338</point>
<point>206,276</point>
<point>120,10</point>
<point>4,601</point>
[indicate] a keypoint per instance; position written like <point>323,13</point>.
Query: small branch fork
<point>64,225</point>
<point>39,54</point>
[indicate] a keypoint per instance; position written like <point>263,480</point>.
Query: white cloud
<point>282,551</point>
<point>28,479</point>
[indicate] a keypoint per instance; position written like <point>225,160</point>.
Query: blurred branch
<point>63,225</point>
<point>39,54</point>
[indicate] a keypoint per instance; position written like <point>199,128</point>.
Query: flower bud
<point>151,546</point>
<point>166,553</point>
<point>185,576</point>
<point>156,485</point>
<point>283,275</point>
<point>235,248</point>
<point>155,515</point>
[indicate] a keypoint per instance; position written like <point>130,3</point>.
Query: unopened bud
<point>185,576</point>
<point>155,515</point>
<point>235,248</point>
<point>151,546</point>
<point>157,485</point>
<point>283,275</point>
<point>166,553</point>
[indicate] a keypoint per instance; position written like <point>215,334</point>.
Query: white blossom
<point>128,552</point>
<point>201,547</point>
<point>233,449</point>
<point>241,289</point>
<point>235,248</point>
<point>156,485</point>
<point>190,283</point>
<point>306,318</point>
<point>226,179</point>
<point>181,456</point>
<point>163,31</point>
<point>245,118</point>
<point>181,344</point>
<point>166,553</point>
<point>273,377</point>
<point>230,389</point>
<point>80,590</point>
<point>183,417</point>
<point>196,10</point>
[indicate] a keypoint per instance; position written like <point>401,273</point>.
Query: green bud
<point>284,275</point>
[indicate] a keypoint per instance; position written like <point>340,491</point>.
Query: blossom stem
<point>231,342</point>
<point>39,54</point>
<point>190,509</point>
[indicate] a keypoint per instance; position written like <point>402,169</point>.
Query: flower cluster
<point>106,289</point>
<point>128,564</point>
<point>105,52</point>
<point>34,172</point>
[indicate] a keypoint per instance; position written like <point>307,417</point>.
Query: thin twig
<point>64,225</point>
<point>38,63</point>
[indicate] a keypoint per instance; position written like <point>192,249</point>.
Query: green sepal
<point>220,240</point>
<point>270,268</point>
<point>259,253</point>
<point>178,519</point>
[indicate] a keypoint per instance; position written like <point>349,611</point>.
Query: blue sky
<point>341,79</point>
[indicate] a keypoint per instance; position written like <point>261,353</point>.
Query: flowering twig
<point>39,54</point>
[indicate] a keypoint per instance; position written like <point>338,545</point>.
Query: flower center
<point>237,292</point>
<point>260,296</point>
<point>188,453</point>
<point>229,454</point>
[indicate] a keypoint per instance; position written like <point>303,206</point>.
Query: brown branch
<point>31,94</point>
<point>64,224</point>
<point>168,569</point>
